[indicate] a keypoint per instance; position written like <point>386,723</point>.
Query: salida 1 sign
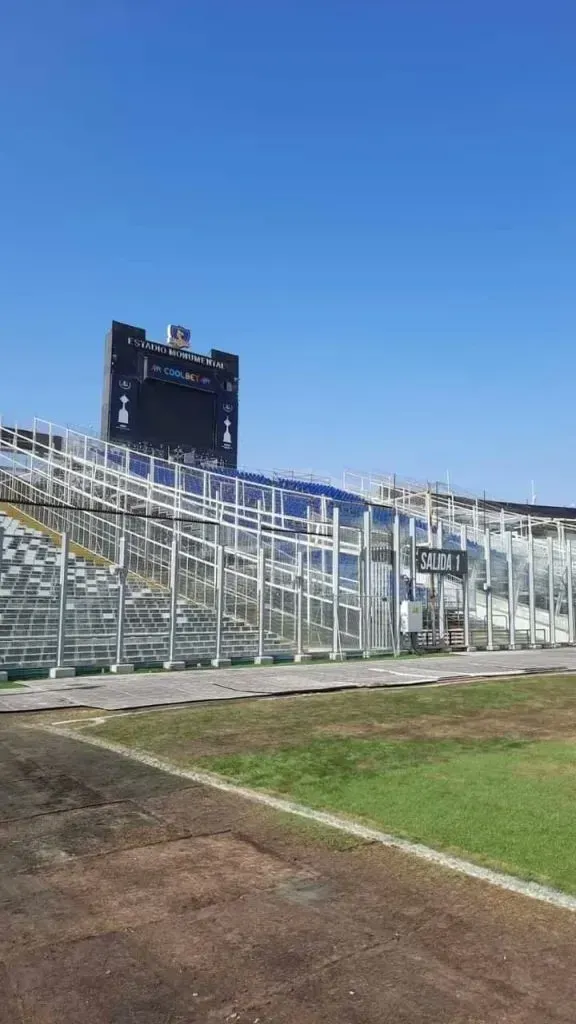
<point>446,561</point>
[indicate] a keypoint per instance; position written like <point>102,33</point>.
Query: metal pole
<point>531,588</point>
<point>335,582</point>
<point>429,517</point>
<point>511,603</point>
<point>148,569</point>
<point>308,573</point>
<point>368,639</point>
<point>465,595</point>
<point>121,599</point>
<point>63,596</point>
<point>323,532</point>
<point>360,584</point>
<point>569,588</point>
<point>441,595</point>
<point>489,602</point>
<point>261,569</point>
<point>299,595</point>
<point>396,585</point>
<point>173,598</point>
<point>551,609</point>
<point>217,538</point>
<point>259,524</point>
<point>412,528</point>
<point>218,660</point>
<point>236,511</point>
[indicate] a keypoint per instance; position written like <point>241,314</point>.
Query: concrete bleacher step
<point>29,601</point>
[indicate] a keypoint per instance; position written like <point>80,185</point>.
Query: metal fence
<point>191,565</point>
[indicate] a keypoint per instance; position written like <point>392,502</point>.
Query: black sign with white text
<point>445,561</point>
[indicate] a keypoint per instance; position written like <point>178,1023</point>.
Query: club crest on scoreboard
<point>177,336</point>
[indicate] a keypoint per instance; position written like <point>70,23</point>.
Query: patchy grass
<point>9,685</point>
<point>484,770</point>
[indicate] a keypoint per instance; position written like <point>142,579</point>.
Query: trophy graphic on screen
<point>123,414</point>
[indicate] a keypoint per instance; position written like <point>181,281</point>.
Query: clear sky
<point>371,201</point>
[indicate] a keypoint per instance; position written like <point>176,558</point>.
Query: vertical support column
<point>148,568</point>
<point>336,651</point>
<point>217,538</point>
<point>531,587</point>
<point>236,511</point>
<point>261,658</point>
<point>551,604</point>
<point>488,592</point>
<point>218,661</point>
<point>465,595</point>
<point>429,518</point>
<point>411,590</point>
<point>396,595</point>
<point>441,591</point>
<point>360,582</point>
<point>59,671</point>
<point>511,601</point>
<point>50,474</point>
<point>1,550</point>
<point>569,588</point>
<point>324,533</point>
<point>368,597</point>
<point>300,656</point>
<point>308,573</point>
<point>173,662</point>
<point>412,529</point>
<point>259,523</point>
<point>119,664</point>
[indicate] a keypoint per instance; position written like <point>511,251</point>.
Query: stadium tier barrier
<point>308,567</point>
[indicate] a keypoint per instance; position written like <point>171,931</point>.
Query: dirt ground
<point>129,895</point>
<point>530,724</point>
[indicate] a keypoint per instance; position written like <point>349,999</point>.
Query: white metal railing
<point>88,491</point>
<point>439,502</point>
<point>291,563</point>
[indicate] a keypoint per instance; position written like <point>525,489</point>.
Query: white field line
<point>509,882</point>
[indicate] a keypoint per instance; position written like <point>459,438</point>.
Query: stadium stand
<point>254,565</point>
<point>29,586</point>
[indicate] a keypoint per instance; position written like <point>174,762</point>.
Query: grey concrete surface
<point>117,692</point>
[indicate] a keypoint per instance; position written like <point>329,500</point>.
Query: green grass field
<point>486,771</point>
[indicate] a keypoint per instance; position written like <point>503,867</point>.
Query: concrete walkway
<point>113,693</point>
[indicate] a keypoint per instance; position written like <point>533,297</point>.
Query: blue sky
<point>373,203</point>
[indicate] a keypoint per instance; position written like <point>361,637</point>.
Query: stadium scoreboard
<point>166,400</point>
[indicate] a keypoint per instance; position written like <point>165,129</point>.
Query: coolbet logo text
<point>174,373</point>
